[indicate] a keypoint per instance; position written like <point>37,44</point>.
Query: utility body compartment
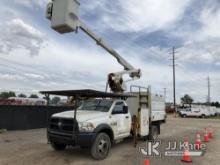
<point>148,108</point>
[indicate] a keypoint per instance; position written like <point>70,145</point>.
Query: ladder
<point>144,99</point>
<point>143,95</point>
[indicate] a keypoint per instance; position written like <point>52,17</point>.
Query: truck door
<point>196,112</point>
<point>190,112</point>
<point>122,118</point>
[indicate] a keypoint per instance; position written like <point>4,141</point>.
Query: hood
<point>81,115</point>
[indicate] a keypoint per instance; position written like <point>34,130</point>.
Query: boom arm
<point>64,16</point>
<point>134,73</point>
<point>101,43</point>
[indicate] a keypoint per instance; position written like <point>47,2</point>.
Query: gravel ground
<point>31,148</point>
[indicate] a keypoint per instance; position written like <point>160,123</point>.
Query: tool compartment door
<point>144,122</point>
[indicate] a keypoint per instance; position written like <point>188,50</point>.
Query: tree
<point>6,95</point>
<point>34,96</point>
<point>212,104</point>
<point>55,100</point>
<point>187,99</point>
<point>217,104</point>
<point>22,95</point>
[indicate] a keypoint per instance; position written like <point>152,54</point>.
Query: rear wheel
<point>154,132</point>
<point>203,116</point>
<point>101,146</point>
<point>57,146</point>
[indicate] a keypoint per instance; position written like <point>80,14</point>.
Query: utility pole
<point>209,92</point>
<point>165,93</point>
<point>174,78</point>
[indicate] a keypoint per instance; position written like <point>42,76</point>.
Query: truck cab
<point>108,119</point>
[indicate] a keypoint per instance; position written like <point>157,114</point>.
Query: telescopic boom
<point>64,16</point>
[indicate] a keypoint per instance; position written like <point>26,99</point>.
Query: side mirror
<point>125,109</point>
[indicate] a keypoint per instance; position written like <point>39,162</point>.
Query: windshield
<point>96,105</point>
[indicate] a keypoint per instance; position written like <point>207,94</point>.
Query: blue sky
<point>33,57</point>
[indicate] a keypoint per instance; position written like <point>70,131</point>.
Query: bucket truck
<point>102,119</point>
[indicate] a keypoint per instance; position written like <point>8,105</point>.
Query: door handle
<point>127,117</point>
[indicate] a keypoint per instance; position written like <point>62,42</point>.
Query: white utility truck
<point>212,110</point>
<point>194,111</point>
<point>103,119</point>
<point>217,110</point>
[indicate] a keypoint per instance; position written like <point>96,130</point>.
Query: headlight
<point>86,127</point>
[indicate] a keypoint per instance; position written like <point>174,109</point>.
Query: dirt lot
<point>31,148</point>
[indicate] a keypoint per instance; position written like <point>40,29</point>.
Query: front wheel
<point>184,116</point>
<point>203,116</point>
<point>101,146</point>
<point>58,147</point>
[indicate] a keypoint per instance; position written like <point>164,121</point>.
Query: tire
<point>184,116</point>
<point>154,132</point>
<point>146,138</point>
<point>101,146</point>
<point>58,147</point>
<point>203,116</point>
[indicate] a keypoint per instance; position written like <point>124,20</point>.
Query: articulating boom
<point>64,16</point>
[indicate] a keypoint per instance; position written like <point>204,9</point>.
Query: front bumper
<point>83,139</point>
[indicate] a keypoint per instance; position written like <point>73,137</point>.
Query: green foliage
<point>55,100</point>
<point>22,95</point>
<point>34,96</point>
<point>187,99</point>
<point>216,104</point>
<point>3,131</point>
<point>6,95</point>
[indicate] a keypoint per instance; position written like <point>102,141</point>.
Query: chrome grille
<point>63,125</point>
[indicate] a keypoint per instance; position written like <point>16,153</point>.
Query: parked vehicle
<point>99,123</point>
<point>194,111</point>
<point>27,101</point>
<point>212,111</point>
<point>217,110</point>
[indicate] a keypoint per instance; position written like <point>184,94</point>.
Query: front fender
<point>105,128</point>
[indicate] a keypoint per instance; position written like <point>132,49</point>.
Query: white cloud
<point>34,76</point>
<point>10,77</point>
<point>200,52</point>
<point>201,46</point>
<point>210,19</point>
<point>142,15</point>
<point>32,3</point>
<point>16,34</point>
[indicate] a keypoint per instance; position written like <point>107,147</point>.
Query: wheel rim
<point>103,146</point>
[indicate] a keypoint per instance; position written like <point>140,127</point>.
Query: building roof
<point>86,93</point>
